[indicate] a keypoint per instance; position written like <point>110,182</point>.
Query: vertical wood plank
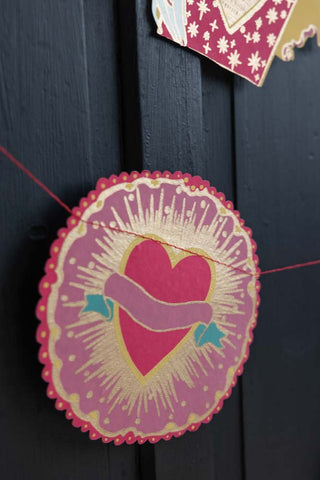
<point>186,124</point>
<point>59,115</point>
<point>218,120</point>
<point>103,92</point>
<point>130,102</point>
<point>278,175</point>
<point>170,100</point>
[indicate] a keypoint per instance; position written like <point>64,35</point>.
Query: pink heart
<point>189,279</point>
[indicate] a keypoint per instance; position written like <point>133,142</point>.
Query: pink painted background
<point>82,250</point>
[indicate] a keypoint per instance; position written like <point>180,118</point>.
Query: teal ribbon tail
<point>96,303</point>
<point>208,334</point>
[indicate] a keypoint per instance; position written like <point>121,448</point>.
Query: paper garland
<point>303,24</point>
<point>240,35</point>
<point>148,305</point>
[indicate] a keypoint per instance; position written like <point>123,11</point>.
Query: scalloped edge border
<point>42,335</point>
<point>288,48</point>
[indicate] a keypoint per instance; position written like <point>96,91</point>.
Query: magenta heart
<point>187,279</point>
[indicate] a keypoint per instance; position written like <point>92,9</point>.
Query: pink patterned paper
<point>240,35</point>
<point>148,304</point>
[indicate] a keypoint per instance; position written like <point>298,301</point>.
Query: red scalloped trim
<point>194,182</point>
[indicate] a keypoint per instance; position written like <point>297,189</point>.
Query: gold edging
<point>74,404</point>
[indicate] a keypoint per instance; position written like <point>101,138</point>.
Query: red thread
<point>35,179</point>
<point>69,210</point>
<point>291,267</point>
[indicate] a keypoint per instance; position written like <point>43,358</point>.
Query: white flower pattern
<point>203,8</point>
<point>193,29</point>
<point>223,45</point>
<point>254,62</point>
<point>272,15</point>
<point>248,50</point>
<point>234,59</point>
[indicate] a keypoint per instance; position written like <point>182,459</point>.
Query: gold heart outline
<point>174,259</point>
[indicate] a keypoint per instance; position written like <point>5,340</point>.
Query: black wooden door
<point>87,89</point>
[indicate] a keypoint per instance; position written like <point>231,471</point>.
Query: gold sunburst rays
<point>83,286</point>
<point>183,228</point>
<point>80,303</point>
<point>90,281</point>
<point>98,274</point>
<point>85,319</point>
<point>160,390</point>
<point>119,385</point>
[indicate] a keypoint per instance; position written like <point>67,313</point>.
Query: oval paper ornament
<point>148,305</point>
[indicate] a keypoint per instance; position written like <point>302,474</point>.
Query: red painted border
<point>50,278</point>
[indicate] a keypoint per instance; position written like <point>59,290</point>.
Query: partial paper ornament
<point>144,324</point>
<point>303,24</point>
<point>240,35</point>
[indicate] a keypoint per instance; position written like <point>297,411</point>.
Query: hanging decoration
<point>141,338</point>
<point>147,309</point>
<point>239,35</point>
<point>303,24</point>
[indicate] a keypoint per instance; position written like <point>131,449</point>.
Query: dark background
<point>87,89</point>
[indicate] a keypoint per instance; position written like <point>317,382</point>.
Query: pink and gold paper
<point>148,304</point>
<point>240,35</point>
<point>303,24</point>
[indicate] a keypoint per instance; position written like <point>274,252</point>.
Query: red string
<point>69,210</point>
<point>35,179</point>
<point>291,267</point>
